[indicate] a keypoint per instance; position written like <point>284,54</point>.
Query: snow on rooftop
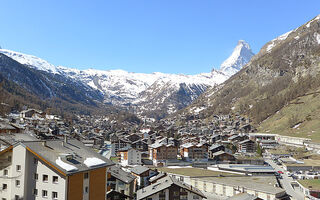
<point>65,166</point>
<point>92,162</point>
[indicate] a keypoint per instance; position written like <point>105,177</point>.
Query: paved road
<point>286,182</point>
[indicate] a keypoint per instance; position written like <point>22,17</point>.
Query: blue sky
<point>170,36</point>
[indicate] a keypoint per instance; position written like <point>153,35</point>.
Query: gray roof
<point>258,183</point>
<point>233,137</point>
<point>6,126</point>
<point>163,184</point>
<point>214,146</point>
<point>220,153</point>
<point>247,168</point>
<point>158,176</point>
<point>120,174</point>
<point>243,196</point>
<point>139,169</point>
<point>13,138</point>
<point>53,150</point>
<point>244,141</point>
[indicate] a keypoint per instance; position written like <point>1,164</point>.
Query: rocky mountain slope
<point>278,83</point>
<point>153,95</point>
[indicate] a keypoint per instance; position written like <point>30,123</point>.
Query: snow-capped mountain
<point>145,93</point>
<point>31,61</point>
<point>240,56</point>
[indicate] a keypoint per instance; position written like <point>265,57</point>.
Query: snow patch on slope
<point>309,23</point>
<point>33,61</point>
<point>317,35</point>
<point>275,41</point>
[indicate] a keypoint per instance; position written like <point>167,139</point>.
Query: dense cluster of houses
<point>71,159</point>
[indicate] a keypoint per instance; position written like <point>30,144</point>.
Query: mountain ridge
<point>140,92</point>
<point>283,73</point>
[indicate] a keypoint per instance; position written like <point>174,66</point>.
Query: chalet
<point>222,156</point>
<point>140,145</point>
<point>169,188</point>
<point>120,181</point>
<point>162,152</point>
<point>194,152</point>
<point>247,146</point>
<point>142,175</point>
<point>8,128</point>
<point>215,148</point>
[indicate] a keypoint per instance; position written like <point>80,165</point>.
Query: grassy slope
<point>315,183</point>
<point>304,110</point>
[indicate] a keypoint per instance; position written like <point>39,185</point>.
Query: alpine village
<point>247,131</point>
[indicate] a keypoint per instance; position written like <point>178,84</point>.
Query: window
<point>196,197</point>
<point>45,178</point>
<point>86,175</point>
<point>35,192</point>
<point>35,161</point>
<point>55,179</point>
<point>4,186</point>
<point>55,195</point>
<point>5,172</point>
<point>36,176</point>
<point>9,158</point>
<point>17,183</point>
<point>16,197</point>
<point>86,189</point>
<point>18,167</point>
<point>44,193</point>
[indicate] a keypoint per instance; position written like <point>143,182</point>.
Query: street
<point>286,182</point>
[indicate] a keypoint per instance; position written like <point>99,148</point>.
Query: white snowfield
<point>65,166</point>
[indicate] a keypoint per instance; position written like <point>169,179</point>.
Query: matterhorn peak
<point>240,56</point>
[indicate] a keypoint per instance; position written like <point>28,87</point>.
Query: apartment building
<point>56,169</point>
<point>247,146</point>
<point>194,152</point>
<point>129,156</point>
<point>162,152</point>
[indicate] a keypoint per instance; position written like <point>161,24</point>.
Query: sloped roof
<point>54,152</point>
<point>120,174</point>
<point>139,169</point>
<point>163,184</point>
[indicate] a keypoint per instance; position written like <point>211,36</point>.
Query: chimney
<point>65,139</point>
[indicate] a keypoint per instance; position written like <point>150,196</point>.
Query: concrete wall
<point>6,179</point>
